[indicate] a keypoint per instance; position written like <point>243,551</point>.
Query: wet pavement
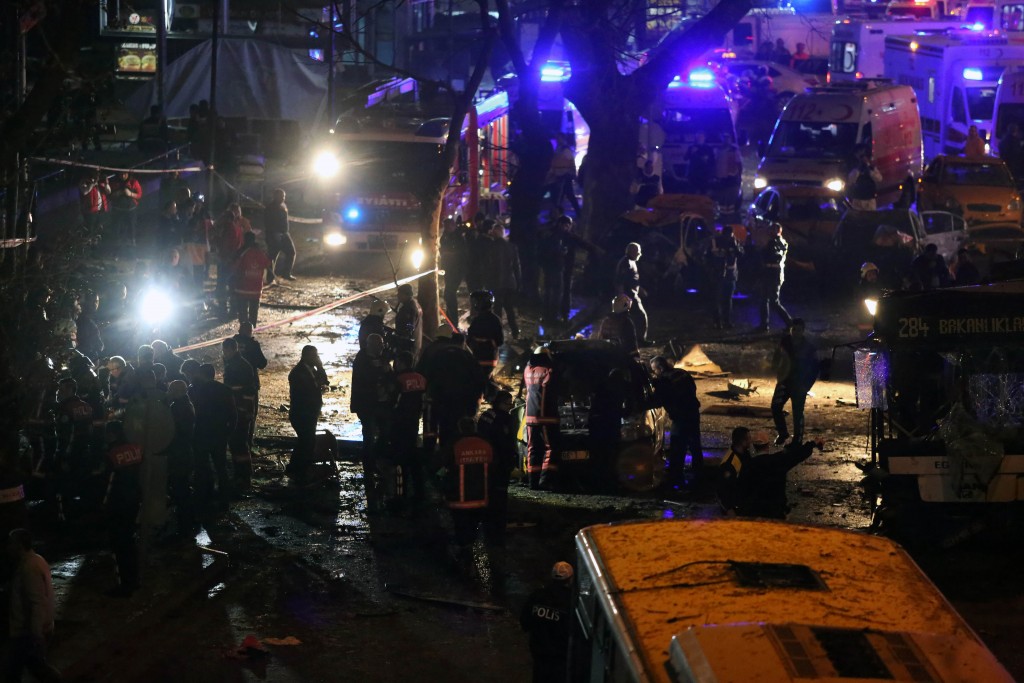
<point>377,596</point>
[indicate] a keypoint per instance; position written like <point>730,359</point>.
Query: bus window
<point>844,57</point>
<point>959,111</point>
<point>1012,18</point>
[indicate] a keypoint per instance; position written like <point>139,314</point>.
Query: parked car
<point>809,216</point>
<point>634,458</point>
<point>995,248</point>
<point>980,190</point>
<point>786,82</point>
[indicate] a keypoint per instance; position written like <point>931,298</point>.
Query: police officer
<point>546,617</point>
<point>180,463</point>
<point>373,323</point>
<point>619,327</point>
<point>773,273</point>
<point>484,336</point>
<point>405,429</point>
<point>124,461</point>
<point>409,321</point>
<point>723,264</point>
<point>216,417</point>
<point>498,426</point>
<point>466,483</point>
<point>542,421</point>
<point>240,377</point>
<point>752,485</point>
<point>677,392</point>
<point>627,282</point>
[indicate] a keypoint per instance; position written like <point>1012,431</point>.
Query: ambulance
<point>859,44</point>
<point>955,77</point>
<point>818,131</point>
<point>762,25</point>
<point>735,601</point>
<point>1009,104</point>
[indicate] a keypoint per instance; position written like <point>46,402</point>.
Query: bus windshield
<point>811,139</point>
<point>388,165</point>
<point>682,125</point>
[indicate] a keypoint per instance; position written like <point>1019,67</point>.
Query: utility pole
<point>212,123</point>
<point>161,56</point>
<point>329,61</point>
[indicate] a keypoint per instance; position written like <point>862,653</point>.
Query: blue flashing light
<point>316,55</point>
<point>555,72</point>
<point>701,78</point>
<point>977,26</point>
<point>352,214</point>
<point>972,73</point>
<point>676,83</point>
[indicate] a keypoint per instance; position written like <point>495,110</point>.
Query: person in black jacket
<point>306,383</point>
<point>408,322</point>
<point>453,387</point>
<point>180,463</point>
<point>453,262</point>
<point>499,428</point>
<point>405,428</point>
<point>675,390</point>
<point>240,377</point>
<point>503,275</point>
<point>773,274</point>
<point>215,420</point>
<point>279,240</point>
<point>122,502</point>
<point>250,349</point>
<point>752,485</point>
<point>373,398</point>
<point>796,366</point>
<point>547,618</point>
<point>484,336</point>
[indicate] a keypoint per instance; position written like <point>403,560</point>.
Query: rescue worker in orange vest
<point>405,428</point>
<point>122,502</point>
<point>484,337</point>
<point>546,616</point>
<point>467,472</point>
<point>498,426</point>
<point>542,421</point>
<point>250,263</point>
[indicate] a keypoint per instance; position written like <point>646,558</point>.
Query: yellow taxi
<point>981,190</point>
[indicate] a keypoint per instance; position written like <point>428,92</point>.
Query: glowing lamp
<point>352,214</point>
<point>972,73</point>
<point>326,165</point>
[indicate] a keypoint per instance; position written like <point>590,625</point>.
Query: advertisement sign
<point>136,58</point>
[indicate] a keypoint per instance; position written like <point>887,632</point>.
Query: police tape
<point>316,311</point>
<point>115,169</point>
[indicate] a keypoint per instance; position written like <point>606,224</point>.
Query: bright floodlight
<point>418,256</point>
<point>835,184</point>
<point>156,306</point>
<point>555,72</point>
<point>871,305</point>
<point>973,73</point>
<point>326,165</point>
<point>334,239</point>
<point>760,183</point>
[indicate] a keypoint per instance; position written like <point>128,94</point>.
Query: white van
<point>818,131</point>
<point>1009,104</point>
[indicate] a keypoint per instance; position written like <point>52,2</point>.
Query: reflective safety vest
<point>472,458</point>
<point>125,455</point>
<point>12,495</point>
<point>541,398</point>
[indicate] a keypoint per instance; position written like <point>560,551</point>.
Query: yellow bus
<point>745,600</point>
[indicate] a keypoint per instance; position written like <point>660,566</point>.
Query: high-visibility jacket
<point>248,271</point>
<point>541,393</point>
<point>468,474</point>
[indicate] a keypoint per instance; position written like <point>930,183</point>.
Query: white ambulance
<point>859,44</point>
<point>1009,104</point>
<point>818,131</point>
<point>955,77</point>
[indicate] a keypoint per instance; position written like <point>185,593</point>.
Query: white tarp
<point>254,79</point>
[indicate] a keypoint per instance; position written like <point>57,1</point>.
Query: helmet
<point>378,307</point>
<point>481,300</point>
<point>562,571</point>
<point>868,267</point>
<point>621,304</point>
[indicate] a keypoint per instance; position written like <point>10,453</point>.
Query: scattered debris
<point>741,387</point>
<point>697,363</point>
<point>846,402</point>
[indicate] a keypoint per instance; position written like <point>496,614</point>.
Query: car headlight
<point>1014,205</point>
<point>835,184</point>
<point>418,257</point>
<point>156,306</point>
<point>334,239</point>
<point>760,183</point>
<point>326,164</point>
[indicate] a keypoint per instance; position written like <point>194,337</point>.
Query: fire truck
<point>955,77</point>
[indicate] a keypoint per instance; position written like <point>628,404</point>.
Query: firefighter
<point>409,322</point>
<point>619,327</point>
<point>542,422</point>
<point>215,421</point>
<point>453,387</point>
<point>546,617</point>
<point>467,470</point>
<point>180,463</point>
<point>498,426</point>
<point>373,323</point>
<point>773,274</point>
<point>675,390</point>
<point>751,485</point>
<point>240,377</point>
<point>123,499</point>
<point>405,429</point>
<point>484,336</point>
<point>306,384</point>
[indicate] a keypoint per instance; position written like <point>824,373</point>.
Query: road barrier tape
<point>261,205</point>
<point>115,169</point>
<point>316,311</point>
